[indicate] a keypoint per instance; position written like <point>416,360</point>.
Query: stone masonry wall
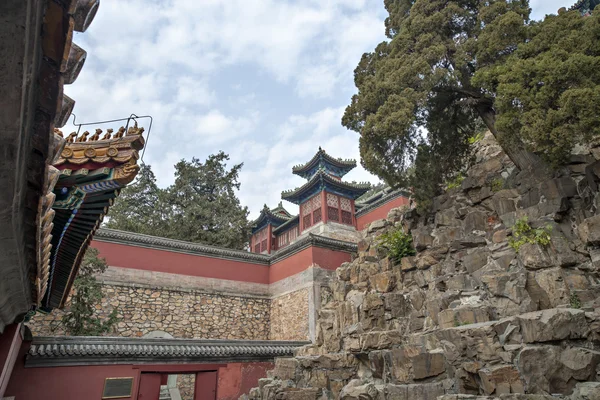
<point>289,316</point>
<point>468,317</point>
<point>181,313</point>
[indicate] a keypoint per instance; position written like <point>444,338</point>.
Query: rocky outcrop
<point>468,317</point>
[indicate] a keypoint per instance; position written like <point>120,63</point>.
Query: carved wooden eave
<point>92,171</point>
<point>38,58</point>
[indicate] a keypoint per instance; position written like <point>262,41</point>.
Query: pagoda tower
<point>262,239</point>
<point>325,198</point>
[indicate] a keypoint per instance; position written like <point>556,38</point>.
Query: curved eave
<point>83,197</point>
<point>265,218</point>
<point>288,224</point>
<point>323,181</point>
<point>322,156</point>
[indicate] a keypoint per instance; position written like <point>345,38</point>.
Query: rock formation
<point>468,317</point>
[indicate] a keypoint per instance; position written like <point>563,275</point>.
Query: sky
<point>266,81</point>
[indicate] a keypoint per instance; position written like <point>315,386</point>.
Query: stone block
<point>475,259</point>
<point>383,282</point>
<point>589,231</point>
<point>553,324</point>
<point>407,263</point>
<point>285,368</point>
<point>422,239</point>
<point>586,391</point>
<point>358,390</point>
<point>463,316</point>
<point>501,379</point>
<point>475,221</point>
<point>426,365</point>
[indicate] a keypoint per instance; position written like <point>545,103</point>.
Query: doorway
<point>181,386</point>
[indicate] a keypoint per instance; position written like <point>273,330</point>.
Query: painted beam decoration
<point>90,172</point>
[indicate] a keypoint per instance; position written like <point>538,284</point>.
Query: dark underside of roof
<point>71,235</point>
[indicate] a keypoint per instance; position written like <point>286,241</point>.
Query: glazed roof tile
<point>92,170</point>
<point>78,350</point>
<point>273,216</point>
<point>323,177</point>
<point>295,220</point>
<point>322,156</point>
<point>377,200</point>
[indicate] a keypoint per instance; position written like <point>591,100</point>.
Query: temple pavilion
<point>328,206</point>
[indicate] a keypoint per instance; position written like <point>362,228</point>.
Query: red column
<point>353,214</point>
<point>324,216</point>
<point>269,238</point>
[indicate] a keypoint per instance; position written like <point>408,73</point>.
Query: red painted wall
<point>291,265</point>
<point>142,258</point>
<point>87,382</point>
<point>329,259</point>
<point>238,378</point>
<point>380,212</point>
<point>124,256</point>
<point>64,383</point>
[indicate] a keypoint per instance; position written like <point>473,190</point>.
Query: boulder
<point>553,324</point>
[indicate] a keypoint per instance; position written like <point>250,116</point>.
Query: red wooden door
<point>149,387</point>
<point>206,386</point>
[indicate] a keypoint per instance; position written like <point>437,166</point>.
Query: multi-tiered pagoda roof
<point>322,180</point>
<point>276,217</point>
<point>324,172</point>
<point>323,161</point>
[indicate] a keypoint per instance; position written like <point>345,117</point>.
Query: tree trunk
<point>514,149</point>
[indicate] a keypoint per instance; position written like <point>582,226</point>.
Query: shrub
<point>397,243</point>
<point>524,233</point>
<point>476,138</point>
<point>497,184</point>
<point>574,301</point>
<point>456,182</point>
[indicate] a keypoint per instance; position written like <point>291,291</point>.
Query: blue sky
<point>266,81</point>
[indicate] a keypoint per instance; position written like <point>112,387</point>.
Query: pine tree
<point>201,206</point>
<point>451,67</point>
<point>82,317</point>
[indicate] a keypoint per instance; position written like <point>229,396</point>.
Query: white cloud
<point>543,7</point>
<point>194,92</point>
<point>215,127</point>
<point>264,80</point>
<point>263,182</point>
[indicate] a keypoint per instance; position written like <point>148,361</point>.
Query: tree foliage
<point>200,206</point>
<point>451,68</point>
<point>82,317</point>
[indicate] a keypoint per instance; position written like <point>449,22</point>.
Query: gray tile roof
<point>154,242</point>
<point>77,350</point>
<point>376,201</point>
